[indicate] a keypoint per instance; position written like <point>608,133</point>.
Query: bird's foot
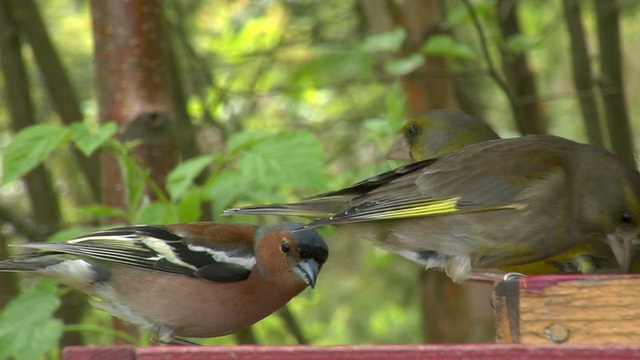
<point>164,335</point>
<point>177,341</point>
<point>494,277</point>
<point>513,276</point>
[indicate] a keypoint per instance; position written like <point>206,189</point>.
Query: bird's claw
<point>512,276</point>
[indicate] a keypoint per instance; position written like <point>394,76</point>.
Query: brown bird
<point>201,279</point>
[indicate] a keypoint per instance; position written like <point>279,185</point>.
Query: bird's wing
<point>474,179</point>
<point>164,248</point>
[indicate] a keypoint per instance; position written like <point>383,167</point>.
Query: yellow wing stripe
<point>441,207</point>
<point>416,208</point>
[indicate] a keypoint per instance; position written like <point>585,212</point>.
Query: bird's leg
<point>164,335</point>
<point>177,341</point>
<point>485,276</point>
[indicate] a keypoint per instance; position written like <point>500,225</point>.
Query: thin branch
<point>56,80</point>
<point>292,325</point>
<point>485,51</point>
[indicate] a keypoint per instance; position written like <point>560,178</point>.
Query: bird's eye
<point>412,130</point>
<point>627,218</point>
<point>285,247</point>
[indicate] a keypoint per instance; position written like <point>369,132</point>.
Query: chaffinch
<point>200,279</point>
<point>437,133</point>
<point>494,204</point>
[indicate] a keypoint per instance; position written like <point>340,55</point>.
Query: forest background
<point>127,112</point>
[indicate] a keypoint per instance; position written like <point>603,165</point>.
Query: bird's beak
<point>399,150</point>
<point>307,270</point>
<point>623,247</point>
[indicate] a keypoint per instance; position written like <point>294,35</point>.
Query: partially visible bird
<point>200,279</point>
<point>437,133</point>
<point>494,204</point>
<point>443,131</point>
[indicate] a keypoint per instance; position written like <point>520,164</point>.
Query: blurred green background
<point>271,101</point>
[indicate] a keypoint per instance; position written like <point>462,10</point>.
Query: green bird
<point>443,131</point>
<point>437,133</point>
<point>495,204</point>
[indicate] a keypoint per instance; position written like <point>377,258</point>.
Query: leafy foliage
<point>27,329</point>
<point>29,148</point>
<point>32,145</point>
<point>288,98</point>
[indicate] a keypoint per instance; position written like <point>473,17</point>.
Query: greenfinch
<point>495,204</point>
<point>438,132</point>
<point>443,131</point>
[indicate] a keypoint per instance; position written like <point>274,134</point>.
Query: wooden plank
<point>405,352</point>
<point>505,301</point>
<point>568,309</point>
<point>99,353</point>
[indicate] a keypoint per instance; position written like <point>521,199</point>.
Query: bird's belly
<point>198,308</point>
<point>490,239</point>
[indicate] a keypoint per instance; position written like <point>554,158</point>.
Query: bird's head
<point>290,248</point>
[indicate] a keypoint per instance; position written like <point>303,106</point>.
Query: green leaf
<point>158,213</point>
<point>182,176</point>
<point>331,65</point>
<point>280,162</point>
<point>29,148</point>
<point>224,188</point>
<point>27,329</point>
<point>132,177</point>
<point>388,41</point>
<point>447,46</point>
<point>189,208</point>
<point>404,66</point>
<point>88,137</point>
<point>242,140</point>
<point>396,104</point>
<point>195,108</point>
<point>103,211</point>
<point>520,43</point>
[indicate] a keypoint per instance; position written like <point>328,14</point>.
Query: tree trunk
<point>135,89</point>
<point>582,76</point>
<point>528,110</point>
<point>420,18</point>
<point>611,84</point>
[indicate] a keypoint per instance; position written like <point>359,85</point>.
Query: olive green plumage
<point>437,133</point>
<point>443,131</point>
<point>495,204</point>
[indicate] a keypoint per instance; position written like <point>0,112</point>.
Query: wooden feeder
<point>537,317</point>
<point>568,309</point>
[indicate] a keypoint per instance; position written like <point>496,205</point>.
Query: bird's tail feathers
<point>29,263</point>
<point>32,262</point>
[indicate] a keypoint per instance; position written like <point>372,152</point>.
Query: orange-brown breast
<point>199,308</point>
